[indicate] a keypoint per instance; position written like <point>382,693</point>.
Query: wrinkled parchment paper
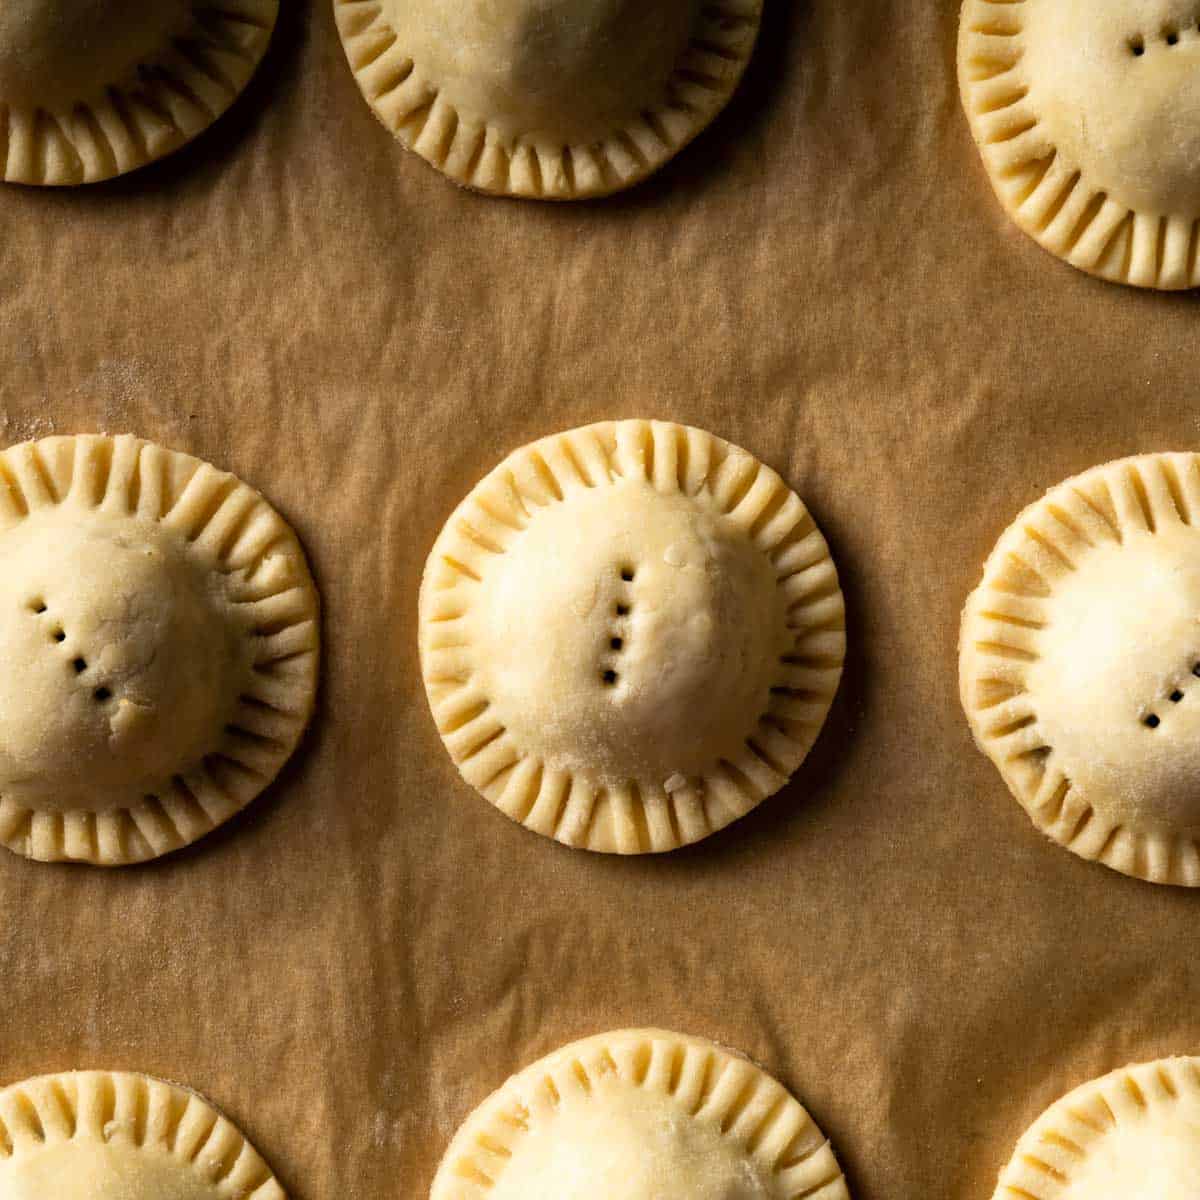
<point>825,279</point>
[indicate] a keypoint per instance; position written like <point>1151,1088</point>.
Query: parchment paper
<point>825,279</point>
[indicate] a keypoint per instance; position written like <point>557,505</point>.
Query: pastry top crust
<point>553,99</point>
<point>158,626</point>
<point>90,89</point>
<point>1134,1133</point>
<point>638,1115</point>
<point>114,1135</point>
<point>1088,116</point>
<point>631,634</point>
<point>1080,664</point>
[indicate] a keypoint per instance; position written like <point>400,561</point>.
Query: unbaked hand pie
<point>1087,113</point>
<point>1132,1135</point>
<point>158,630</point>
<point>90,89</point>
<point>112,1135</point>
<point>1080,664</point>
<point>550,99</point>
<point>630,634</point>
<point>640,1114</point>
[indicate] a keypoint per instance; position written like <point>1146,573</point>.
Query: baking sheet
<point>825,279</point>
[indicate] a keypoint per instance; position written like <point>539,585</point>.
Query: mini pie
<point>158,629</point>
<point>90,89</point>
<point>1080,664</point>
<point>631,634</point>
<point>112,1135</point>
<point>640,1114</point>
<point>550,99</point>
<point>1087,113</point>
<point>1132,1135</point>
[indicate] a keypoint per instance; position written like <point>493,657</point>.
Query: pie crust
<point>1080,664</point>
<point>640,1114</point>
<point>159,630</point>
<point>1133,1134</point>
<point>631,634</point>
<point>91,89</point>
<point>1087,113</point>
<point>547,99</point>
<point>113,1135</point>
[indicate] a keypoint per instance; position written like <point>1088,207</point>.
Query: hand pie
<point>549,99</point>
<point>1080,664</point>
<point>1132,1135</point>
<point>158,629</point>
<point>111,1135</point>
<point>630,634</point>
<point>94,88</point>
<point>1087,113</point>
<point>640,1115</point>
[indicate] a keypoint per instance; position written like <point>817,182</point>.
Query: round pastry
<point>158,629</point>
<point>549,99</point>
<point>90,89</point>
<point>1134,1134</point>
<point>1087,113</point>
<point>1080,664</point>
<point>638,1115</point>
<point>631,634</point>
<point>112,1135</point>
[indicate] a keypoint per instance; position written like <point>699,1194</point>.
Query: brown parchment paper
<point>823,278</point>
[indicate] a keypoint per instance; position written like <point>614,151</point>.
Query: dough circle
<point>114,1135</point>
<point>631,634</point>
<point>1134,1133</point>
<point>547,99</point>
<point>158,626</point>
<point>1087,113</point>
<point>640,1114</point>
<point>1080,664</point>
<point>90,89</point>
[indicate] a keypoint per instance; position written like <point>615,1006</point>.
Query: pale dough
<point>158,626</point>
<point>1080,664</point>
<point>100,1135</point>
<point>631,634</point>
<point>1087,113</point>
<point>94,88</point>
<point>553,99</point>
<point>1131,1135</point>
<point>640,1115</point>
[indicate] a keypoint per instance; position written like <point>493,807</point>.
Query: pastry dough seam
<point>235,531</point>
<point>644,815</point>
<point>477,156</point>
<point>138,1111</point>
<point>175,97</point>
<point>713,1085</point>
<point>1005,618</point>
<point>1047,196</point>
<point>1060,1141</point>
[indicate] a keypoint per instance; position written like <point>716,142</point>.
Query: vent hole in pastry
<point>627,574</point>
<point>80,665</point>
<point>622,610</point>
<point>1151,722</point>
<point>1137,47</point>
<point>1176,696</point>
<point>1171,36</point>
<point>1196,669</point>
<point>609,677</point>
<point>37,606</point>
<point>101,694</point>
<point>59,636</point>
<point>616,643</point>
